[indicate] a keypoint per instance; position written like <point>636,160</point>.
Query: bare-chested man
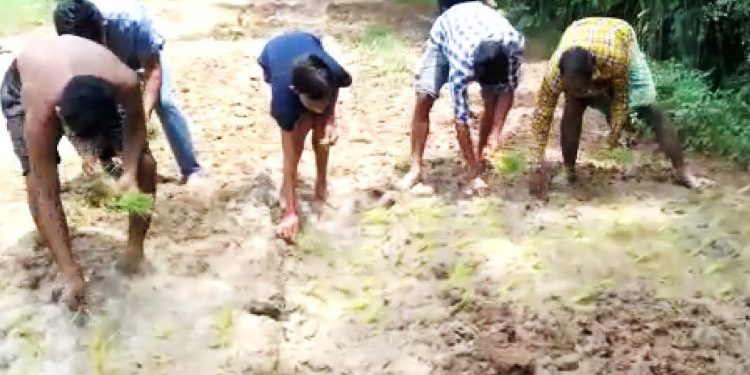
<point>72,86</point>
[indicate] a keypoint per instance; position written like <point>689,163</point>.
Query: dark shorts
<point>10,101</point>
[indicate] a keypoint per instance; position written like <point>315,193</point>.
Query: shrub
<point>716,122</point>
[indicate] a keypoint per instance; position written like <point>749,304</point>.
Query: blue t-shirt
<point>277,59</point>
<point>130,32</point>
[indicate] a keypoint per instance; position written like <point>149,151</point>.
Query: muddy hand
<point>88,165</point>
<point>76,293</point>
<point>330,136</point>
<point>126,183</point>
<point>288,227</point>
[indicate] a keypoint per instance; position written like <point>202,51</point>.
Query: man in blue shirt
<point>469,42</point>
<point>305,81</point>
<point>125,28</point>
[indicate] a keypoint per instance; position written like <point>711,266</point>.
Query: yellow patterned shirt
<point>610,40</point>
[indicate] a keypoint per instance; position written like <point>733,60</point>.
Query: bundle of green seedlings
<point>102,194</point>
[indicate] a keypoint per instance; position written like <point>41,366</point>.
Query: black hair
<point>577,61</point>
<point>312,77</point>
<point>491,63</point>
<point>80,18</point>
<point>89,107</point>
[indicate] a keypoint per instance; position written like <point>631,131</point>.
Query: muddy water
<point>652,276</point>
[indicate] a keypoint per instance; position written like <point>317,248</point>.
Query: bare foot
<point>129,265</point>
<point>288,227</point>
<point>422,190</point>
<point>688,180</point>
<point>477,186</point>
<point>413,177</point>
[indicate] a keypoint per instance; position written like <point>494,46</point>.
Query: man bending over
<point>71,86</point>
<point>469,42</point>
<point>598,64</point>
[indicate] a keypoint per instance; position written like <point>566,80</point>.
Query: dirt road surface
<point>624,274</point>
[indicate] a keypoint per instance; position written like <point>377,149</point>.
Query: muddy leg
<point>292,144</point>
<point>321,162</point>
<point>138,225</point>
<point>486,123</point>
<point>669,141</point>
<point>570,134</point>
<point>420,128</point>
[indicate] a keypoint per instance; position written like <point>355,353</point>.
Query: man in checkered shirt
<point>469,42</point>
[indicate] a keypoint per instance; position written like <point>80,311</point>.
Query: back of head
<point>577,62</point>
<point>312,77</point>
<point>88,106</point>
<point>491,63</point>
<point>80,18</point>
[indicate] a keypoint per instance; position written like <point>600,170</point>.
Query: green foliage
<point>509,164</point>
<point>134,203</point>
<point>16,15</point>
<point>711,35</point>
<point>709,121</point>
<point>386,52</point>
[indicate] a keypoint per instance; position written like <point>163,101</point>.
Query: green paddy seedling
<point>133,203</point>
<point>511,164</point>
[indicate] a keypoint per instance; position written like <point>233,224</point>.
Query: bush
<point>711,35</point>
<point>716,122</point>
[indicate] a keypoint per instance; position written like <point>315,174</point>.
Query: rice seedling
<point>223,329</point>
<point>32,341</point>
<point>512,164</point>
<point>134,203</point>
<point>100,346</point>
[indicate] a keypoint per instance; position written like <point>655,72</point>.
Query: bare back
<point>48,63</point>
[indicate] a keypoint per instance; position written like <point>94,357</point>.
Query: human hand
<point>88,164</point>
<point>76,291</point>
<point>127,182</point>
<point>330,135</point>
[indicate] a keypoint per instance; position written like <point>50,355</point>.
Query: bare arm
<point>331,134</point>
<point>152,89</point>
<point>43,188</point>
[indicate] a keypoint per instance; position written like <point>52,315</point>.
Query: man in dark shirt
<point>71,86</point>
<point>304,81</point>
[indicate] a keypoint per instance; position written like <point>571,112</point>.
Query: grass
<point>19,15</point>
<point>510,164</point>
<point>386,53</point>
<point>462,277</point>
<point>99,349</point>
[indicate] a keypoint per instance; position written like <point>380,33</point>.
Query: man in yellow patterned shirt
<point>598,64</point>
